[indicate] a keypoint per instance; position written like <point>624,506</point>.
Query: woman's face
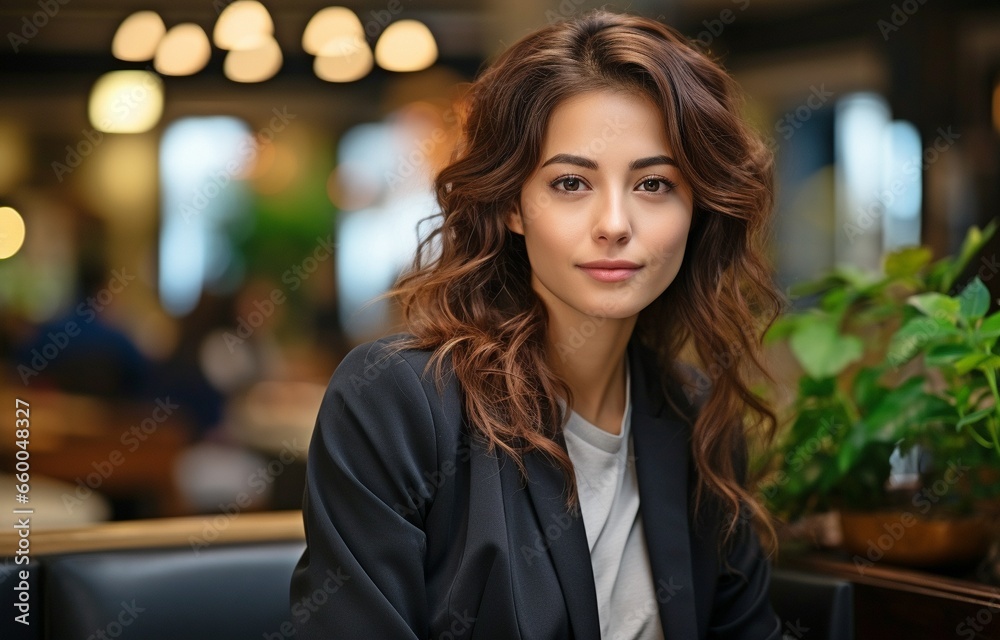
<point>606,189</point>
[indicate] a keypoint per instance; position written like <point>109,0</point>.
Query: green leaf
<point>974,300</point>
<point>938,275</point>
<point>961,395</point>
<point>936,305</point>
<point>829,477</point>
<point>973,242</point>
<point>944,355</point>
<point>990,328</point>
<point>822,351</point>
<point>902,409</point>
<point>993,362</point>
<point>866,389</point>
<point>844,277</point>
<point>850,448</point>
<point>914,335</point>
<point>817,387</point>
<point>859,278</point>
<point>968,362</point>
<point>977,361</point>
<point>970,244</point>
<point>975,417</point>
<point>836,301</point>
<point>781,328</point>
<point>907,262</point>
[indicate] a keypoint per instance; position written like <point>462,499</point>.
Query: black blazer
<point>414,531</point>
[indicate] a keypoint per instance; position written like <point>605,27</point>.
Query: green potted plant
<point>895,422</point>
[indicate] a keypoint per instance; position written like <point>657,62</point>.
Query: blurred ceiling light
<point>244,24</point>
<point>137,36</point>
<point>253,65</point>
<point>406,45</point>
<point>184,50</point>
<point>329,24</point>
<point>126,102</point>
<point>11,232</point>
<point>344,59</point>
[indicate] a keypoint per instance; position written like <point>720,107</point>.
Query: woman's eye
<point>656,185</point>
<point>570,184</point>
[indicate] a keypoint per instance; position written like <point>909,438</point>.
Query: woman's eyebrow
<point>568,158</point>
<point>651,161</point>
<point>587,163</point>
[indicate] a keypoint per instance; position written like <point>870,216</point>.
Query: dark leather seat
<point>813,607</point>
<point>237,591</point>
<point>224,592</point>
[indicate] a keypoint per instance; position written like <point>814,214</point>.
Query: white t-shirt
<point>604,466</point>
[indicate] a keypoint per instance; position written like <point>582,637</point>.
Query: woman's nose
<point>613,222</point>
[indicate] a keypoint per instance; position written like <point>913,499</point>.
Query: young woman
<point>536,456</point>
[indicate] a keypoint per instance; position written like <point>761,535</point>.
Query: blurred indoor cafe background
<point>199,201</point>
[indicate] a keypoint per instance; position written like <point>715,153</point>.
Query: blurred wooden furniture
<point>124,451</point>
<point>163,532</point>
<point>894,602</point>
<point>222,577</point>
<point>48,504</point>
<point>276,419</point>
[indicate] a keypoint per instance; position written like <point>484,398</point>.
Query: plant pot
<point>906,538</point>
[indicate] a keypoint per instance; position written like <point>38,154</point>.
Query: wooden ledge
<point>887,576</point>
<point>192,531</point>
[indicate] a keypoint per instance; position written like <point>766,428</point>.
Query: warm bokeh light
<point>15,155</point>
<point>406,45</point>
<point>245,24</point>
<point>126,102</point>
<point>184,50</point>
<point>344,60</point>
<point>330,24</point>
<point>119,181</point>
<point>138,36</point>
<point>11,232</point>
<point>277,168</point>
<point>254,65</point>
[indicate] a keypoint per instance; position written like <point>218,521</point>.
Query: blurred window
<point>202,165</point>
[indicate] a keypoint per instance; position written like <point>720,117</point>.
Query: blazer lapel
<point>662,466</point>
<point>567,543</point>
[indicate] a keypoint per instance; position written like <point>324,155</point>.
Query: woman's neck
<point>594,368</point>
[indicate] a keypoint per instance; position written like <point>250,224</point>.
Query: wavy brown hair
<point>468,293</point>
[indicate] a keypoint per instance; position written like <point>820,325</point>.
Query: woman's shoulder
<point>368,362</point>
<point>381,422</point>
<point>379,395</point>
<point>384,375</point>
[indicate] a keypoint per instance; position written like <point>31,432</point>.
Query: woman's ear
<point>514,221</point>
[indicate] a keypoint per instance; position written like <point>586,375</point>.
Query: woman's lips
<point>609,275</point>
